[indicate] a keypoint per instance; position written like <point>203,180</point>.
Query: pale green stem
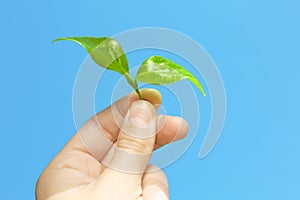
<point>133,84</point>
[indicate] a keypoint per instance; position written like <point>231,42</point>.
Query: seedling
<point>155,70</point>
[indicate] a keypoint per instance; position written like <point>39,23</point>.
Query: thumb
<point>133,148</point>
<point>128,157</point>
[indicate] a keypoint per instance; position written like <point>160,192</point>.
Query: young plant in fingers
<point>155,70</point>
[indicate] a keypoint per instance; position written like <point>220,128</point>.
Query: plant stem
<point>133,84</point>
<point>138,92</point>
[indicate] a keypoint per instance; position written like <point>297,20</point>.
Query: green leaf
<point>157,70</point>
<point>106,52</point>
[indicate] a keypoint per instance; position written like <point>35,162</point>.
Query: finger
<point>171,129</point>
<point>155,184</point>
<point>94,139</point>
<point>99,133</point>
<point>136,139</point>
<point>131,151</point>
<point>112,117</point>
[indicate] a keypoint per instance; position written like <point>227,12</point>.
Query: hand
<point>78,172</point>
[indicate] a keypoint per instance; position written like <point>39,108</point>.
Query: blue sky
<point>255,45</point>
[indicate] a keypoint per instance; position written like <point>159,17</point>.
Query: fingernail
<point>160,195</point>
<point>140,114</point>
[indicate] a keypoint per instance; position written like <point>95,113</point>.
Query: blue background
<point>254,43</point>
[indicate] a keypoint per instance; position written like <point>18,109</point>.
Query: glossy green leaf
<point>106,52</point>
<point>157,70</point>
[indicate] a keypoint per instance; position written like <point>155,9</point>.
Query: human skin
<point>76,174</point>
